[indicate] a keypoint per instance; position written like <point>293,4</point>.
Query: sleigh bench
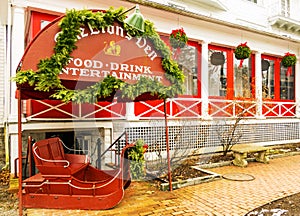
<point>241,152</point>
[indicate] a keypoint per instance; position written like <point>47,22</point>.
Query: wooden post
<point>168,147</point>
<point>20,153</point>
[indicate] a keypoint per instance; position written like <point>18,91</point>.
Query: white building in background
<point>262,87</point>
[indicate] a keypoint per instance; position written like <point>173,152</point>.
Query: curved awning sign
<point>100,53</point>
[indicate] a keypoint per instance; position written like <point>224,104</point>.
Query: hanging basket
<point>242,51</point>
<point>217,58</point>
<point>289,60</point>
<point>178,38</point>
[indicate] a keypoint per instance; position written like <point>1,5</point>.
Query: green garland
<point>46,77</point>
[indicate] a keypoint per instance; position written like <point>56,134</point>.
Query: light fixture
<point>135,20</point>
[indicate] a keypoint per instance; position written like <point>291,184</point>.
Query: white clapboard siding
<point>2,70</point>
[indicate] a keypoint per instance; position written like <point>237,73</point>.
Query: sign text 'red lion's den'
<point>109,60</point>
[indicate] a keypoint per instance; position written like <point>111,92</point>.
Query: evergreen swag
<point>46,77</point>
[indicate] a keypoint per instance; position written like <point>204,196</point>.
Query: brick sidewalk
<point>279,178</point>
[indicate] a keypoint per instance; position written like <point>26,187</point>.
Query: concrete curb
<point>211,176</point>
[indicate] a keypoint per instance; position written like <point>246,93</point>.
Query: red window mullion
<point>230,75</point>
<point>277,80</point>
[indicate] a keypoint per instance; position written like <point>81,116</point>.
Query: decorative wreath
<point>242,51</point>
<point>46,77</point>
<point>289,60</point>
<point>178,38</point>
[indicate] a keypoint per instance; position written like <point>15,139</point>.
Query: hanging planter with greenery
<point>46,79</point>
<point>242,52</point>
<point>178,39</point>
<point>289,60</point>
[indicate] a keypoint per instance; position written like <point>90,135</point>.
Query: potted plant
<point>137,160</point>
<point>289,60</point>
<point>242,52</point>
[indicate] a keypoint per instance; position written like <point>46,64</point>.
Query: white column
<point>297,87</point>
<point>258,86</point>
<point>130,111</point>
<point>17,50</point>
<point>13,151</point>
<point>204,79</point>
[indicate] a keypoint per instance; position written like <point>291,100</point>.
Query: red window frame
<point>199,56</point>
<point>277,73</point>
<point>230,73</point>
<point>35,17</point>
<point>141,108</point>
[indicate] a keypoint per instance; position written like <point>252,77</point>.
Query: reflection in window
<point>267,67</point>
<point>187,61</point>
<point>217,72</point>
<point>242,78</point>
<point>287,83</point>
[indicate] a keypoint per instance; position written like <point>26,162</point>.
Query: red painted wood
<point>77,186</point>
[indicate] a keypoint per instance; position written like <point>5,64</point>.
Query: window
<point>268,71</point>
<point>228,76</point>
<point>217,72</point>
<point>287,83</point>
<point>38,21</point>
<point>278,82</point>
<point>188,59</point>
<point>243,78</point>
<point>44,23</point>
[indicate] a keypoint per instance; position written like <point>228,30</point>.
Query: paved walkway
<point>279,178</point>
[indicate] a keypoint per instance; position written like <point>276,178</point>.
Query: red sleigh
<point>68,181</point>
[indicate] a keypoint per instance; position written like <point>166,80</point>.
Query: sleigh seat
<point>51,160</point>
